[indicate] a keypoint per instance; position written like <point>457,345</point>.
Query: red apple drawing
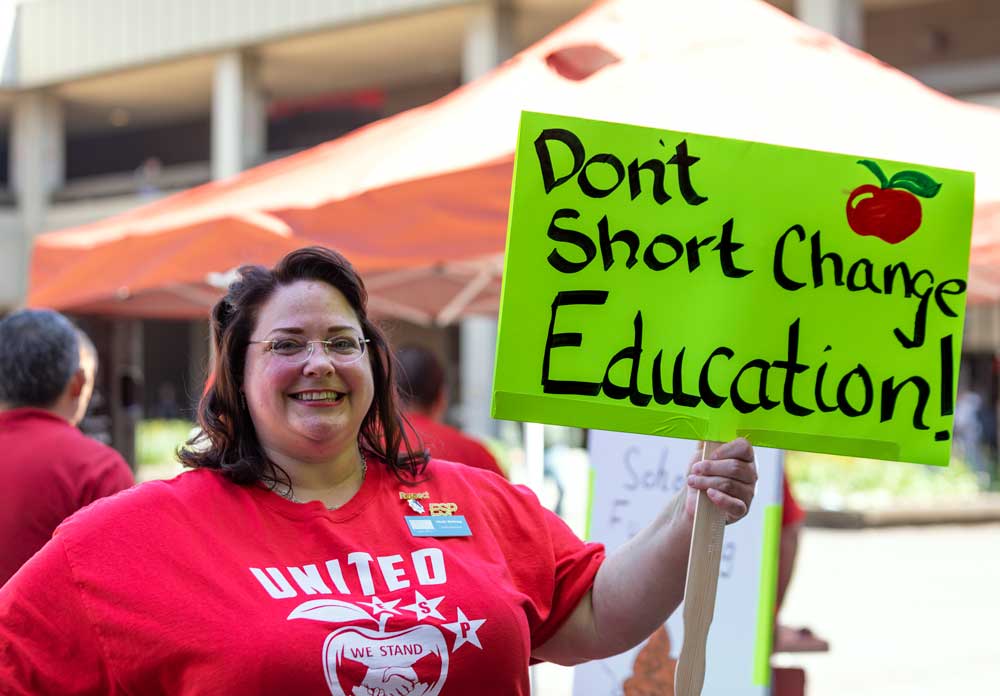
<point>362,660</point>
<point>891,211</point>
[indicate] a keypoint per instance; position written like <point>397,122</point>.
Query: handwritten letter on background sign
<point>677,284</point>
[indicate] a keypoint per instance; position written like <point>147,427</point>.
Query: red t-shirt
<point>200,586</point>
<point>49,470</point>
<point>791,513</point>
<point>445,442</point>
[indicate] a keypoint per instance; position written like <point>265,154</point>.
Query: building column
<point>127,384</point>
<point>37,169</point>
<point>201,361</point>
<point>477,348</point>
<point>489,38</point>
<point>488,41</point>
<point>239,114</point>
<point>845,19</point>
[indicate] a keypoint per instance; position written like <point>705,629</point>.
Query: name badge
<point>439,526</point>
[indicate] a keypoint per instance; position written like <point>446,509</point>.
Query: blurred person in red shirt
<point>421,386</point>
<point>49,468</point>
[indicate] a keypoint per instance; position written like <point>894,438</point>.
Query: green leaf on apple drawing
<point>335,611</point>
<point>331,610</point>
<point>890,211</point>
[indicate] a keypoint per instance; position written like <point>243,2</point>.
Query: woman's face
<point>311,410</point>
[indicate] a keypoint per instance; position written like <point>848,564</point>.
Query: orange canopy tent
<point>419,201</point>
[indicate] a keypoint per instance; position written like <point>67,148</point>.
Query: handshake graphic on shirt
<point>391,681</point>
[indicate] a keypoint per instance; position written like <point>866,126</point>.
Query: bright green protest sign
<point>678,284</point>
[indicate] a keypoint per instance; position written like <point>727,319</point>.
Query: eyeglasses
<point>342,350</point>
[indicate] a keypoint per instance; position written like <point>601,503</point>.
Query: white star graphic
<point>380,607</point>
<point>465,630</point>
<point>424,607</point>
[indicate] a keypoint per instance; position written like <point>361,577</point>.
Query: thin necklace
<point>289,492</point>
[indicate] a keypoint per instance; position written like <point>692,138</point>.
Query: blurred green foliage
<point>156,443</point>
<point>836,483</point>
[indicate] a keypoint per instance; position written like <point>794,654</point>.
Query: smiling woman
<point>308,405</point>
<point>314,549</point>
<point>310,412</point>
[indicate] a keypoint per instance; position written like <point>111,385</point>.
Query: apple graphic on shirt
<point>364,661</point>
<point>890,211</point>
<point>389,660</point>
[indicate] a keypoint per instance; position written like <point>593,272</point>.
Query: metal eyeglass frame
<point>327,349</point>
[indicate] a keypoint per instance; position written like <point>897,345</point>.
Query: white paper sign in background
<point>635,476</point>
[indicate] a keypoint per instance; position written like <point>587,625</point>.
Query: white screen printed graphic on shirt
<point>376,647</point>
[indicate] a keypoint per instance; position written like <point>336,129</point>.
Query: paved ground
<point>909,611</point>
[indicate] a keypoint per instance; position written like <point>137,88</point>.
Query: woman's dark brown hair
<point>228,440</point>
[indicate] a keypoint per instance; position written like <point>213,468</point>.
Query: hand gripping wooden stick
<point>699,590</point>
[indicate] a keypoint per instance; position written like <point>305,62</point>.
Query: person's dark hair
<point>421,376</point>
<point>228,440</point>
<point>39,352</point>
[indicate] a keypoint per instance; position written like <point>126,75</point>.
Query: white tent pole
<point>534,461</point>
<point>534,456</point>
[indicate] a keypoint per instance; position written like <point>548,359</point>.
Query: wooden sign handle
<point>699,590</point>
